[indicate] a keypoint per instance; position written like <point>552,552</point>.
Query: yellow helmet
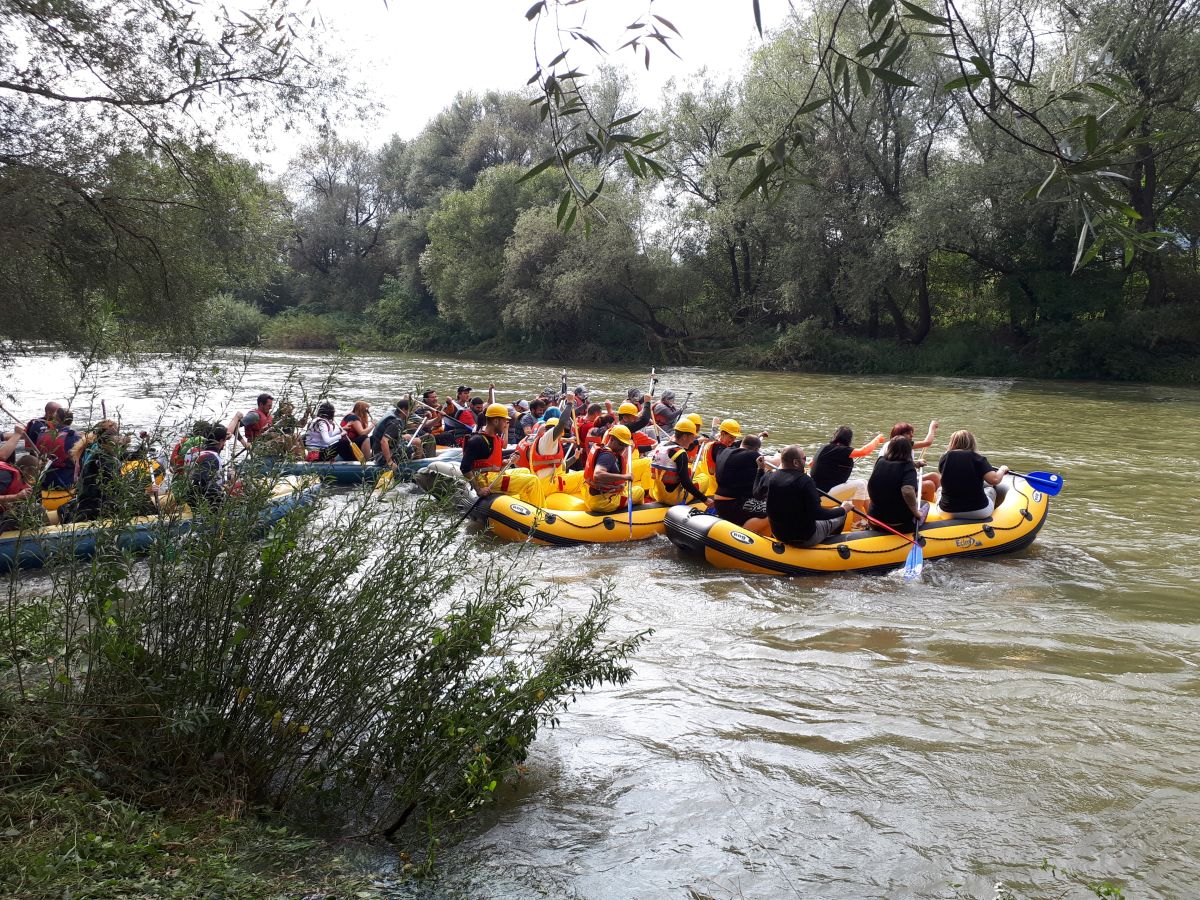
<point>731,426</point>
<point>550,423</point>
<point>497,411</point>
<point>621,433</point>
<point>627,409</point>
<point>697,420</point>
<point>687,426</point>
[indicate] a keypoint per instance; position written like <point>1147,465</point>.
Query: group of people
<point>606,453</point>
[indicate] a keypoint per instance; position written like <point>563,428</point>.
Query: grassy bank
<point>64,836</point>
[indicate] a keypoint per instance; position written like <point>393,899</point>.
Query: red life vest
<point>52,444</point>
<point>493,462</point>
<point>265,421</point>
<point>589,472</point>
<point>17,484</point>
<point>529,457</point>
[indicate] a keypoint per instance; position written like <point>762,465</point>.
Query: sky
<point>415,55</point>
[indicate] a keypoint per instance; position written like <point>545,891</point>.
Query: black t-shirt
<point>962,480</point>
<point>736,468</point>
<point>6,479</point>
<point>608,461</point>
<point>388,427</point>
<point>832,466</point>
<point>794,506</point>
<point>887,503</point>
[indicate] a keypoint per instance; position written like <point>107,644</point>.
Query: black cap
<point>461,388</point>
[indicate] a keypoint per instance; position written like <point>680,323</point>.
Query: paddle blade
<point>915,562</point>
<point>1048,483</point>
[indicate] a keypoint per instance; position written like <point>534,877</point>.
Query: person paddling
<point>607,484</point>
<point>893,487</point>
<point>670,468</point>
<point>968,488</point>
<point>322,436</point>
<point>483,461</point>
<point>834,464</point>
<point>737,468</point>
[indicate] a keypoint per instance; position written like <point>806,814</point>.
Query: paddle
<point>32,449</point>
<point>629,465</point>
<point>1049,483</point>
<point>870,519</point>
<point>504,468</point>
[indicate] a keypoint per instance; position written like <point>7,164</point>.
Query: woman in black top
<point>968,479</point>
<point>893,487</point>
<point>834,464</point>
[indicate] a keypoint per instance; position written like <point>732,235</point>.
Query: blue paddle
<point>916,556</point>
<point>1049,483</point>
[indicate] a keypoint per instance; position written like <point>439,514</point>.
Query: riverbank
<point>1163,348</point>
<point>64,836</point>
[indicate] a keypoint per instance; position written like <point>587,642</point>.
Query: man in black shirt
<point>794,509</point>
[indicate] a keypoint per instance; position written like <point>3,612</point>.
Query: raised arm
<point>868,448</point>
<point>929,436</point>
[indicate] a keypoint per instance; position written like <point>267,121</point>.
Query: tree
<point>86,87</point>
<point>343,206</point>
<point>463,263</point>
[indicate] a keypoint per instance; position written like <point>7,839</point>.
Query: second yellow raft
<point>564,521</point>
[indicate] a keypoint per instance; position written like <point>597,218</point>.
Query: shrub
<point>301,331</point>
<point>360,676</point>
<point>233,322</point>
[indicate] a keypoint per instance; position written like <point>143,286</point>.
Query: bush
<point>359,677</point>
<point>301,331</point>
<point>233,322</point>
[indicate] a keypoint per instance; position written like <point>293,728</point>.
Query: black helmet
<point>325,410</point>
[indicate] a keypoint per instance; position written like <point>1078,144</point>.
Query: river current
<point>850,736</point>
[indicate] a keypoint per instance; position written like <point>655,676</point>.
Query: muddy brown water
<point>851,736</point>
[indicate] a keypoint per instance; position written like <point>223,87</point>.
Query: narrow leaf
<point>922,15</point>
<point>864,79</point>
<point>534,11</point>
<point>893,78</point>
<point>538,169</point>
<point>562,208</point>
<point>758,18</point>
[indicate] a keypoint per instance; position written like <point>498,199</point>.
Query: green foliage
<point>64,837</point>
<point>360,678</point>
<point>234,323</point>
<point>118,216</point>
<point>463,263</point>
<point>302,331</point>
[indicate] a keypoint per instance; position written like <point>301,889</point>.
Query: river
<point>852,736</point>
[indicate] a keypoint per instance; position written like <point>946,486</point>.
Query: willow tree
<point>88,85</point>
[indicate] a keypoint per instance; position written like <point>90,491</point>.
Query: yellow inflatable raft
<point>564,521</point>
<point>1020,513</point>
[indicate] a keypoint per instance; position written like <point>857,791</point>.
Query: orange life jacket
<point>265,421</point>
<point>493,462</point>
<point>529,457</point>
<point>589,472</point>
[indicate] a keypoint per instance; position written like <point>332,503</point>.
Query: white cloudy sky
<point>417,54</point>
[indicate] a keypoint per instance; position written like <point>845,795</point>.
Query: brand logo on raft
<point>519,509</point>
<point>1037,496</point>
<point>742,537</point>
<point>967,542</point>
